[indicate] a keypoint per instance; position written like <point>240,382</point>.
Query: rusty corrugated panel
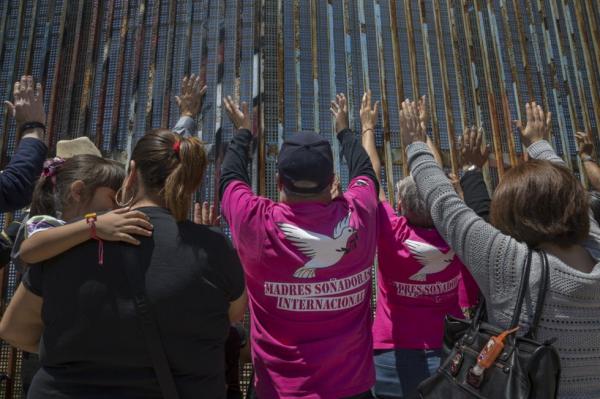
<point>411,46</point>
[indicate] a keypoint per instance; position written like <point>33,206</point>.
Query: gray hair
<point>411,204</point>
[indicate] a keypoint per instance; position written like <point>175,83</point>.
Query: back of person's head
<point>411,204</point>
<point>594,197</point>
<point>305,167</point>
<point>541,202</point>
<point>72,183</point>
<point>170,167</point>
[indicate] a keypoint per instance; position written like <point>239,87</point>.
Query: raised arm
<point>368,119</point>
<point>235,162</point>
<point>585,150</point>
<point>357,159</point>
<point>17,180</point>
<point>190,105</point>
<point>480,246</point>
<point>474,157</point>
<point>536,133</point>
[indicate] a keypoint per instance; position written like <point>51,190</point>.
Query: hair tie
<point>51,168</point>
<point>177,147</point>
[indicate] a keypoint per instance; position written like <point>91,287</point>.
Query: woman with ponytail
<point>152,320</point>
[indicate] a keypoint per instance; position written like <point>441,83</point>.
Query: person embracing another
<point>307,260</point>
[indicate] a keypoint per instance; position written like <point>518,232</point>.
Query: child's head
<point>167,168</point>
<point>84,183</point>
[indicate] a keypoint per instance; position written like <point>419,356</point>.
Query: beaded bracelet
<point>91,219</point>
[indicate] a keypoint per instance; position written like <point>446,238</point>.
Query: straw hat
<point>78,146</point>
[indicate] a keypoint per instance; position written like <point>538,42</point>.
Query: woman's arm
<point>117,225</point>
<point>368,119</point>
<point>494,259</point>
<point>21,325</point>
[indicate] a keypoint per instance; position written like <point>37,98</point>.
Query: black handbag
<point>524,369</point>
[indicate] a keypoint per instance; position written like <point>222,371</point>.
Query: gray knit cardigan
<point>571,312</point>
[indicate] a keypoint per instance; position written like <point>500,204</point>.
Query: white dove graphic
<point>322,250</point>
<point>433,260</point>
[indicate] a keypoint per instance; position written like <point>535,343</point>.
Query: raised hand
<point>28,105</point>
<point>239,117</point>
<point>410,125</point>
<point>368,113</point>
<point>336,188</point>
<point>471,149</point>
<point>538,124</point>
<point>585,145</point>
<point>206,214</point>
<point>339,109</point>
<point>121,224</point>
<point>190,99</point>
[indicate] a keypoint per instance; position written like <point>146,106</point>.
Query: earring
<point>119,198</point>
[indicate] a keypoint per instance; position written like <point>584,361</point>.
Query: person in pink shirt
<point>419,281</point>
<point>307,260</point>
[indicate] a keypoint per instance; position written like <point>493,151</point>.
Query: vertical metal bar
<point>91,55</point>
<point>509,42</point>
<point>490,96</point>
<point>585,40</point>
<point>296,27</point>
<point>13,77</point>
<point>398,76</point>
<point>458,65</point>
<point>429,72</point>
<point>522,40</point>
<point>152,69</point>
<point>3,27</point>
<point>555,87</point>
<point>52,107</point>
<point>594,30</point>
<point>135,83</point>
<point>332,85</point>
<point>280,74</point>
<point>348,53</point>
<point>473,78</point>
<point>315,65</point>
<point>105,67</point>
<point>363,46</point>
<point>576,66</point>
<point>566,77</point>
<point>501,79</point>
<point>259,88</point>
<point>387,147</point>
<point>218,137</point>
<point>169,65</point>
<point>28,59</point>
<point>446,89</point>
<point>412,53</point>
<point>67,102</point>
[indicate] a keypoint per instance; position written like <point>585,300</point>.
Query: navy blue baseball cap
<point>305,163</point>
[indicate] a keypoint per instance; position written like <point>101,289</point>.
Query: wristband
<point>587,158</point>
<point>91,219</point>
<point>31,125</point>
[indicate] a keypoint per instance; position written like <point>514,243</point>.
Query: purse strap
<point>522,291</point>
<point>523,286</point>
<point>544,282</point>
<point>143,308</point>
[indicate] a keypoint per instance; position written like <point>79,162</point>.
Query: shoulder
<point>38,223</point>
<point>207,235</point>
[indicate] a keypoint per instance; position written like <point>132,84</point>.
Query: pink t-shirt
<point>419,281</point>
<point>308,277</point>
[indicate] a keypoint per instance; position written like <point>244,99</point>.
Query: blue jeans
<point>399,372</point>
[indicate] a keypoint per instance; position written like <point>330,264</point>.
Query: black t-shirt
<point>93,345</point>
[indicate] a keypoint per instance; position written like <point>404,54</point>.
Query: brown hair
<point>53,194</point>
<point>170,174</point>
<point>539,201</point>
